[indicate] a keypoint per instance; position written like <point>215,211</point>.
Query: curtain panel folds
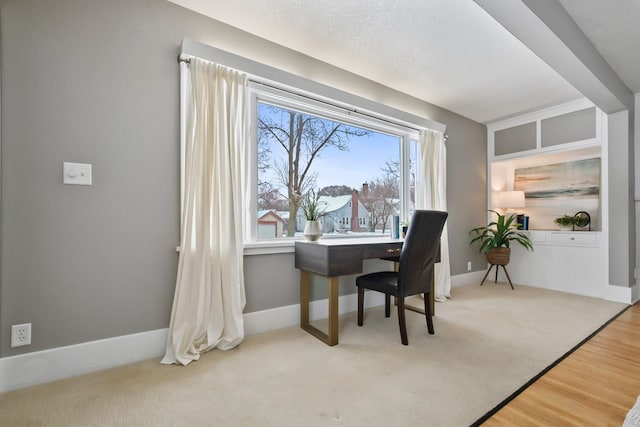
<point>210,297</point>
<point>432,194</point>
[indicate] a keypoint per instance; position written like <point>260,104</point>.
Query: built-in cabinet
<point>572,262</point>
<point>557,156</point>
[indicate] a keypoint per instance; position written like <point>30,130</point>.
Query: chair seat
<point>381,281</point>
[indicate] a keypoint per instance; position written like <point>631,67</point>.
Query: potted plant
<point>565,222</point>
<point>496,237</point>
<point>312,209</point>
<point>405,227</point>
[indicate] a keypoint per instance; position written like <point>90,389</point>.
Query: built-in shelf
<point>550,142</point>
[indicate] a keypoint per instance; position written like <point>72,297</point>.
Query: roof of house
<point>332,204</point>
<point>263,213</point>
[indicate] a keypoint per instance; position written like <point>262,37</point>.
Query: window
<point>361,167</point>
<point>271,89</point>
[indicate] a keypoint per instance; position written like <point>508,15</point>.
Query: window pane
<point>413,170</point>
<point>355,172</point>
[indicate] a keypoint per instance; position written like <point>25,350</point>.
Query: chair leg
<point>486,274</point>
<point>402,322</point>
<point>508,278</point>
<point>360,305</point>
<point>387,305</point>
<point>427,313</point>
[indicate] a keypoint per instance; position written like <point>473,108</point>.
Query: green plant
<point>499,234</point>
<point>565,220</point>
<point>312,208</point>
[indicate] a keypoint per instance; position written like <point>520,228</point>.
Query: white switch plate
<point>76,173</point>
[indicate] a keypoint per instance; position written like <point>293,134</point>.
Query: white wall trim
<point>545,113</point>
<point>635,293</point>
<point>282,317</point>
<point>475,277</point>
<point>618,294</point>
<point>49,365</point>
<point>39,367</point>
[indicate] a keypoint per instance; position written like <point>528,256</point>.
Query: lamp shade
<point>508,199</point>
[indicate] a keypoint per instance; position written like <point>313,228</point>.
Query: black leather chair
<point>419,252</point>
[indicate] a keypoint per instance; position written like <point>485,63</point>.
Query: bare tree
<point>335,190</point>
<point>383,196</point>
<point>392,167</point>
<point>265,188</point>
<point>302,137</point>
<point>271,199</point>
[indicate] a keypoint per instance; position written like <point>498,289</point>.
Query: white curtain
<point>432,194</point>
<point>209,296</point>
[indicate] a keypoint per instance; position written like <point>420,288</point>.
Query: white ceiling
<point>448,52</point>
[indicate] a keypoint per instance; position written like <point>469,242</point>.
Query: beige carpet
<point>489,341</point>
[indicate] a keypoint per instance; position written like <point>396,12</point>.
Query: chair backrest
<point>419,252</point>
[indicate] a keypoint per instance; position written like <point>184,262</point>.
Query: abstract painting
<point>560,189</point>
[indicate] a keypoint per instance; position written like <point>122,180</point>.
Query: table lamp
<point>509,200</point>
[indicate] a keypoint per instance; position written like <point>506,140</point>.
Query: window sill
<point>269,247</point>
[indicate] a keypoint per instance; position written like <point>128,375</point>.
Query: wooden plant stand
<point>496,281</point>
<point>498,257</point>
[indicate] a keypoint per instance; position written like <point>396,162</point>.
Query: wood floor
<point>594,386</point>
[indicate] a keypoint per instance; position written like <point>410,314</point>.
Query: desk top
<point>338,257</point>
<point>346,241</point>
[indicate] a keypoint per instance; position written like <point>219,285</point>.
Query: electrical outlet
<point>468,265</point>
<point>20,335</point>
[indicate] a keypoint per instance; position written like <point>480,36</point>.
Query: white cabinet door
<point>569,262</point>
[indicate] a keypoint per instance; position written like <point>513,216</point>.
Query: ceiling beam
<point>547,29</point>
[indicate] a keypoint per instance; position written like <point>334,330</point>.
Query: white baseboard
<point>472,278</point>
<point>635,293</point>
<point>44,366</point>
<point>619,294</point>
<point>49,365</point>
<point>282,317</point>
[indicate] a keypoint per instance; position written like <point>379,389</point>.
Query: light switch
<point>76,173</point>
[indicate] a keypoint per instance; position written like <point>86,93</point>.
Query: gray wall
<point>622,255</point>
<point>96,82</point>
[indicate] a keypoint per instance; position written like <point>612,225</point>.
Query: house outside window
<point>363,169</point>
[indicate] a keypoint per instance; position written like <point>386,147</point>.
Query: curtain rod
<point>187,60</point>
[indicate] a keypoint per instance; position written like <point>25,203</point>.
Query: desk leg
<point>304,298</point>
<point>332,337</point>
<point>333,311</point>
